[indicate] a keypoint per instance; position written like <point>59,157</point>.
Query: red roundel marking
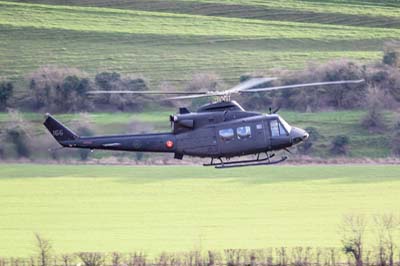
<point>169,144</point>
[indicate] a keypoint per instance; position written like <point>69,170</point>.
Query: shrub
<point>344,96</point>
<point>114,81</point>
<point>6,92</point>
<point>59,89</point>
<point>339,145</point>
<point>373,120</point>
<point>107,81</point>
<point>16,132</point>
<point>395,142</point>
<point>203,82</point>
<point>387,80</point>
<point>391,54</point>
<point>254,101</point>
<point>18,138</point>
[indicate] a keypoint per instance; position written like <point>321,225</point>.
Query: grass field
<point>172,40</point>
<point>153,209</point>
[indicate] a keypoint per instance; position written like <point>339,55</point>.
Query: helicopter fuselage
<point>219,130</point>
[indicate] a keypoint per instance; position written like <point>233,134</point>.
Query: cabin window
<point>243,132</point>
<point>277,128</point>
<point>227,134</point>
<point>259,126</point>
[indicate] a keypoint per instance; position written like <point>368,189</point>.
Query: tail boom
<point>163,142</point>
<point>159,142</point>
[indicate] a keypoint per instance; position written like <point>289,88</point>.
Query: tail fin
<point>59,131</point>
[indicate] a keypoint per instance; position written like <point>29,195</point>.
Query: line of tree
<point>383,252</point>
<point>62,90</point>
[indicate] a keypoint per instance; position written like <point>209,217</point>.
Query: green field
<point>172,40</point>
<point>153,209</point>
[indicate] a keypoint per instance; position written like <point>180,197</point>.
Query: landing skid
<point>243,163</point>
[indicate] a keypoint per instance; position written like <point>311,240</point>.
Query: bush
<point>387,80</point>
<point>18,138</point>
<point>256,101</point>
<point>203,82</point>
<point>59,89</point>
<point>6,92</point>
<point>344,96</point>
<point>395,142</point>
<point>373,121</point>
<point>114,81</point>
<point>339,145</point>
<point>391,54</point>
<point>16,133</point>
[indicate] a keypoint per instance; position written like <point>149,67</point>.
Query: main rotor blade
<point>211,94</point>
<point>147,92</point>
<point>304,85</point>
<point>248,84</point>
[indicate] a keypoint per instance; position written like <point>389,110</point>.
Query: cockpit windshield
<point>285,124</point>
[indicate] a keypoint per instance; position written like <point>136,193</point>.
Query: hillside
<point>172,40</point>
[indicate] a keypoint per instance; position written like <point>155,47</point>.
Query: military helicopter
<point>219,131</point>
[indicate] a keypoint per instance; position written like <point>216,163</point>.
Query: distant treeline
<point>384,252</point>
<point>56,89</point>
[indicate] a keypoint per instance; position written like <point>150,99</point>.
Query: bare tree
<point>386,227</point>
<point>116,258</point>
<point>353,229</point>
<point>44,248</point>
<point>211,258</point>
<point>301,256</point>
<point>136,259</point>
<point>66,259</point>
<point>282,256</point>
<point>92,258</point>
<point>332,257</point>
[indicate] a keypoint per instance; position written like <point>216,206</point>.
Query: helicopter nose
<point>298,135</point>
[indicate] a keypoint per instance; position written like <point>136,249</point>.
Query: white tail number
<point>58,133</point>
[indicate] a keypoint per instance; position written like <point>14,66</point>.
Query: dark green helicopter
<point>219,131</point>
